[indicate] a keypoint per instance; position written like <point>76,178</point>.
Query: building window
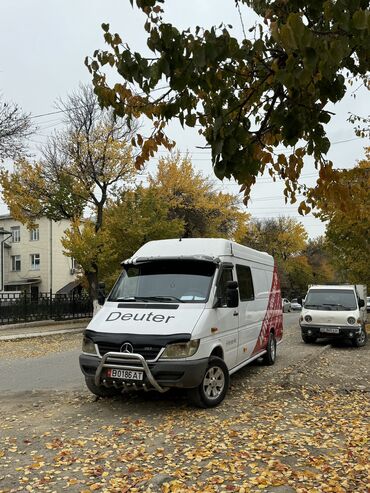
<point>35,233</point>
<point>16,263</point>
<point>35,261</point>
<point>74,267</point>
<point>16,234</point>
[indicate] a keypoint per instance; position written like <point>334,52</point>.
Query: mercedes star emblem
<point>127,348</point>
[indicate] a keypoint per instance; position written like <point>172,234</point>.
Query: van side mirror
<point>361,303</point>
<point>232,294</point>
<point>101,293</point>
<point>300,301</point>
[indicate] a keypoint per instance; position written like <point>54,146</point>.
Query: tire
<point>215,381</point>
<point>308,339</point>
<point>270,357</point>
<point>361,339</point>
<point>100,390</point>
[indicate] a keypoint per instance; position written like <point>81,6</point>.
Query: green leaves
<point>250,96</point>
<point>361,19</point>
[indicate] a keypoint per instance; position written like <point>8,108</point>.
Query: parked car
<point>295,306</point>
<point>368,304</point>
<point>286,305</point>
<point>335,311</point>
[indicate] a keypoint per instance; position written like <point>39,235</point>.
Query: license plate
<point>329,330</point>
<point>124,374</point>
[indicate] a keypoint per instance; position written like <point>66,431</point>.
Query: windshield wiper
<point>310,306</point>
<point>148,298</point>
<point>337,305</point>
<point>161,298</point>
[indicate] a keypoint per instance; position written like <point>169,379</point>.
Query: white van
<point>184,313</point>
<point>337,311</point>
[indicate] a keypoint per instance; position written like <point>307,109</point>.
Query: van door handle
<point>235,314</point>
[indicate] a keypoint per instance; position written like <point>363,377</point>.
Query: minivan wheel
<point>100,390</point>
<point>214,385</point>
<point>270,357</point>
<point>308,339</point>
<point>361,338</point>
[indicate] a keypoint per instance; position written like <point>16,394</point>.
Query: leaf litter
<point>306,430</point>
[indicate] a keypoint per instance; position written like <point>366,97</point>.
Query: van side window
<point>226,275</point>
<point>245,282</point>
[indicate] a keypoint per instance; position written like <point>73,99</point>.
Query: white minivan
<point>335,311</point>
<point>184,313</point>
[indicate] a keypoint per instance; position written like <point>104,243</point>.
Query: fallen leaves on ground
<point>298,430</point>
<point>308,440</point>
<point>39,346</point>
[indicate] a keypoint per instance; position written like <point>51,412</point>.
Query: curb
<point>44,323</point>
<point>14,337</point>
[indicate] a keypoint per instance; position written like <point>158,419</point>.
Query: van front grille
<point>149,352</point>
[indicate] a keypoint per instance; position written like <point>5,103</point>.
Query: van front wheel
<point>100,390</point>
<point>270,356</point>
<point>213,388</point>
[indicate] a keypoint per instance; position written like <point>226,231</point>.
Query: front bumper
<point>331,331</point>
<point>159,375</point>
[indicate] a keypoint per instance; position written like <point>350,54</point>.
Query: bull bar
<point>111,359</point>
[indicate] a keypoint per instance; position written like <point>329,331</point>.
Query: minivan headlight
<point>181,349</point>
<point>88,346</point>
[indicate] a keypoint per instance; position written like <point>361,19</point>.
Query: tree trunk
<point>92,278</point>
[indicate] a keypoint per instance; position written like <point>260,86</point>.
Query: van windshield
<point>184,281</point>
<point>331,299</point>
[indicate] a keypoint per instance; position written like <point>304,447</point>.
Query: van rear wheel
<point>270,356</point>
<point>214,385</point>
<point>100,390</point>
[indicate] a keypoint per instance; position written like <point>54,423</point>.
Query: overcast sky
<point>43,47</point>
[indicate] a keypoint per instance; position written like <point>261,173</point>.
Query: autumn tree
<point>320,261</point>
<point>348,229</point>
<point>177,202</point>
<point>15,127</point>
<point>285,239</point>
<point>136,217</point>
<point>194,199</point>
<point>250,96</point>
<point>79,168</point>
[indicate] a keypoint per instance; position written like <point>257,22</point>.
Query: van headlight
<point>351,320</point>
<point>88,346</point>
<point>181,349</point>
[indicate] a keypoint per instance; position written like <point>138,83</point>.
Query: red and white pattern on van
<point>273,317</point>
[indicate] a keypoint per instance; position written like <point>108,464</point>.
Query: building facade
<point>33,260</point>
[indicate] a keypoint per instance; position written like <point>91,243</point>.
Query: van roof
<point>208,248</point>
<point>332,286</point>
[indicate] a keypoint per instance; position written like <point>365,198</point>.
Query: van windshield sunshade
<point>183,280</point>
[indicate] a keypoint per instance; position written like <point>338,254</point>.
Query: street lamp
<point>2,241</point>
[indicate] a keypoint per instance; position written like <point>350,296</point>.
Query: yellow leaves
<point>191,197</point>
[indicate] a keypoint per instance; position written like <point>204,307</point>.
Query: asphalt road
<point>61,371</point>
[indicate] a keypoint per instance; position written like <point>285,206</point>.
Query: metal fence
<point>25,307</point>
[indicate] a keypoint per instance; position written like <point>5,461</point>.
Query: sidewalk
<point>42,328</point>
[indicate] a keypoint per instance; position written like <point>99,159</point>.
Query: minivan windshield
<point>331,299</point>
<point>183,281</point>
